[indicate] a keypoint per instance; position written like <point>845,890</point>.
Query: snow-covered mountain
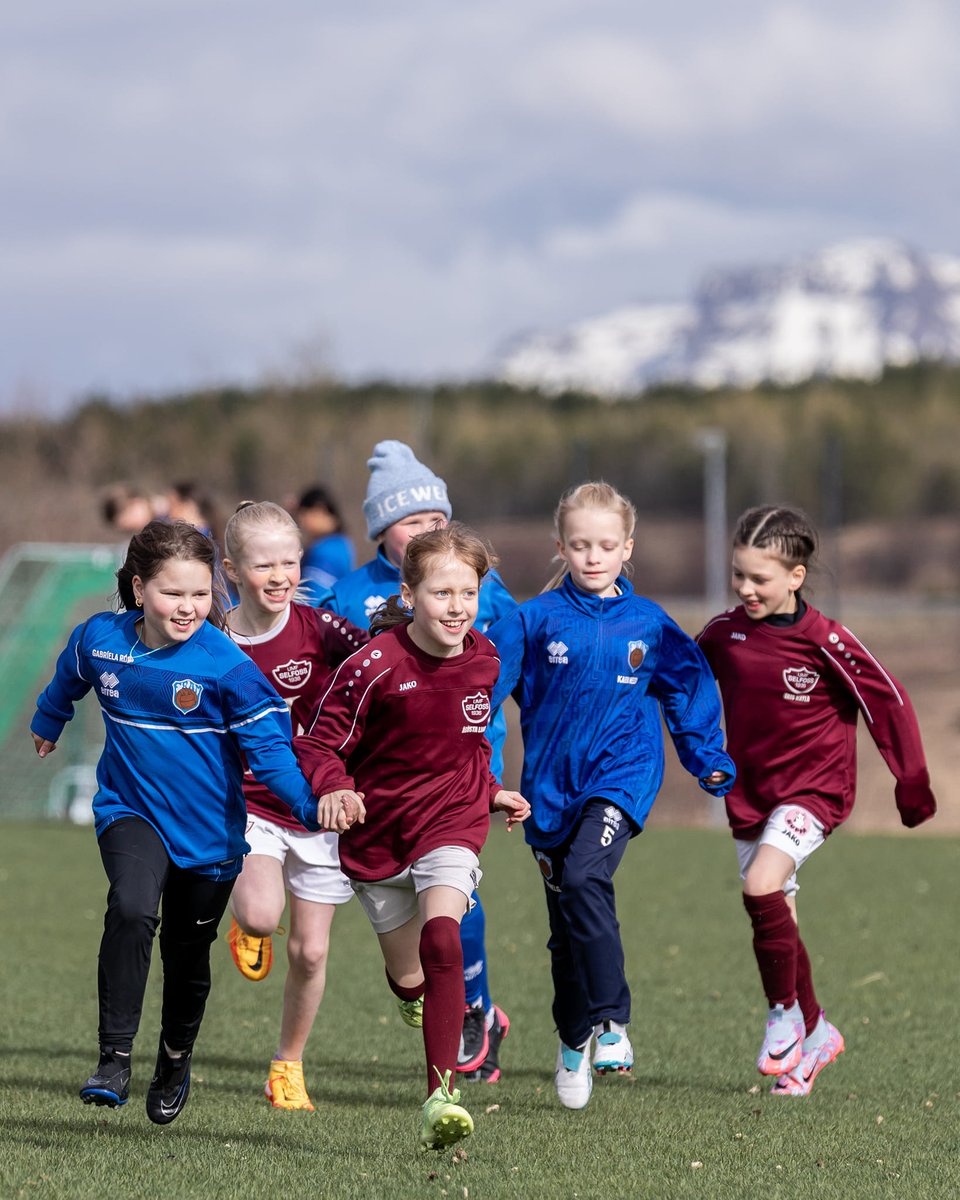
<point>849,311</point>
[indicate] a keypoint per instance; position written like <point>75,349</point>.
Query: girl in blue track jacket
<point>183,706</point>
<point>591,665</point>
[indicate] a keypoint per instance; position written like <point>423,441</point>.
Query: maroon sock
<point>809,1005</point>
<point>775,941</point>
<point>443,996</point>
<point>403,993</point>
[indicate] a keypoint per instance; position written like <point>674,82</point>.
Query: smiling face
<point>176,601</point>
<point>396,536</point>
<point>444,606</point>
<point>266,572</point>
<point>594,546</point>
<point>764,583</point>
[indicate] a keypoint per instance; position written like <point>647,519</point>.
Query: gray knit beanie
<point>400,486</point>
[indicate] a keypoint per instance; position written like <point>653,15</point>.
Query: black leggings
<point>141,874</point>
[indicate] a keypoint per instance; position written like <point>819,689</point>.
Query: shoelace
<point>445,1093</point>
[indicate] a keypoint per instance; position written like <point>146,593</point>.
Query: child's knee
<point>440,944</point>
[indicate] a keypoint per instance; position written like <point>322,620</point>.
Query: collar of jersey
<point>597,606</point>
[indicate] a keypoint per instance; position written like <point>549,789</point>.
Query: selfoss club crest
<point>293,674</point>
<point>800,680</point>
<point>186,694</point>
<point>476,708</point>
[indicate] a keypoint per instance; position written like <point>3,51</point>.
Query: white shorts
<point>390,903</point>
<point>791,829</point>
<point>311,861</point>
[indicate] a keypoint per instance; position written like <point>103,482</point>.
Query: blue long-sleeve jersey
<point>357,597</point>
<point>176,723</point>
<point>591,675</point>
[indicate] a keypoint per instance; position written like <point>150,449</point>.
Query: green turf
<point>878,916</point>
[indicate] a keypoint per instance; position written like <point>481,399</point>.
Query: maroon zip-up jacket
<point>792,695</point>
<point>406,729</point>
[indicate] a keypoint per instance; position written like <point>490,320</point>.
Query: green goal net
<point>45,590</point>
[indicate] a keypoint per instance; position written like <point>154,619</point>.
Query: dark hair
<point>455,540</point>
<point>787,532</point>
<point>319,497</point>
<point>116,498</point>
<point>157,543</point>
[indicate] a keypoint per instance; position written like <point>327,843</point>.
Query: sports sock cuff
<point>401,992</point>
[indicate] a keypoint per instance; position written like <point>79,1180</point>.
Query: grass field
<point>879,918</point>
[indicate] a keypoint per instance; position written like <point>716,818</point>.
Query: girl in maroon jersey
<point>296,647</point>
<point>793,684</point>
<point>401,728</point>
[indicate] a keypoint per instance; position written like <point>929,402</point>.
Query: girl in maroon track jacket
<point>401,728</point>
<point>794,683</point>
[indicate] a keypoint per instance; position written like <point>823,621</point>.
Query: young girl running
<point>404,498</point>
<point>402,727</point>
<point>180,703</point>
<point>793,683</point>
<point>588,660</point>
<point>296,647</point>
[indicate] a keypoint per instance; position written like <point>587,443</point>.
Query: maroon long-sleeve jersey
<point>298,657</point>
<point>791,698</point>
<point>406,729</point>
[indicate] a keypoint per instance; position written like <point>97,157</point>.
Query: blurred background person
<point>328,552</point>
<point>127,508</point>
<point>188,501</point>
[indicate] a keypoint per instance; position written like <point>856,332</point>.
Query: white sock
<point>817,1036</point>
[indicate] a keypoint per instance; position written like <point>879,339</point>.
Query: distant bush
<point>847,451</point>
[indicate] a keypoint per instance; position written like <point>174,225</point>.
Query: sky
<point>200,192</point>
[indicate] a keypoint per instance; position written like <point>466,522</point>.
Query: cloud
<point>193,185</point>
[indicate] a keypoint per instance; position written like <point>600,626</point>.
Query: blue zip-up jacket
<point>176,722</point>
<point>357,597</point>
<point>589,674</point>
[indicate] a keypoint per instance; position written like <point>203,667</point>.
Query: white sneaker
<point>574,1078</point>
<point>613,1051</point>
<point>783,1041</point>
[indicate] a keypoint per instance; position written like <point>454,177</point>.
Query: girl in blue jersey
<point>180,703</point>
<point>591,665</point>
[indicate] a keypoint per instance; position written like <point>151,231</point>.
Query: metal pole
<point>713,443</point>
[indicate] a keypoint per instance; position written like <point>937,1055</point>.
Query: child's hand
<point>716,778</point>
<point>915,800</point>
<point>514,805</point>
<point>353,809</point>
<point>337,811</point>
<point>43,746</point>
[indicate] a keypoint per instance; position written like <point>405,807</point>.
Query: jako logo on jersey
<point>557,652</point>
<point>293,674</point>
<point>408,686</point>
<point>108,684</point>
<point>738,637</point>
<point>186,694</point>
<point>800,681</point>
<point>476,709</point>
<point>636,653</point>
